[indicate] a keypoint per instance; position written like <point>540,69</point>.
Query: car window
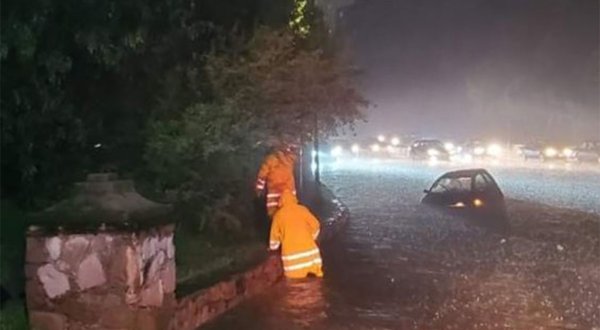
<point>481,184</point>
<point>444,185</point>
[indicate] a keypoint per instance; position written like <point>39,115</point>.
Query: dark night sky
<point>519,69</point>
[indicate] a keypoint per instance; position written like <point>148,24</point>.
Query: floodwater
<point>399,265</point>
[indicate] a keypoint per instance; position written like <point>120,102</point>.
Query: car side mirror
<point>426,191</point>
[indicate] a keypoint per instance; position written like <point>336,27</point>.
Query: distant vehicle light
<point>433,152</point>
<point>375,148</point>
<point>433,160</point>
<point>494,150</point>
<point>568,152</point>
<point>381,138</point>
<point>355,148</point>
<point>395,141</point>
<point>550,152</point>
<point>337,151</point>
<point>458,205</point>
<point>449,146</point>
<point>478,151</point>
<point>477,202</point>
<point>389,148</point>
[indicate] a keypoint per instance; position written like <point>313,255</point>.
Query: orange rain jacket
<point>295,229</point>
<point>277,175</point>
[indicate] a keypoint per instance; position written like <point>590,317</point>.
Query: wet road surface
<point>399,265</point>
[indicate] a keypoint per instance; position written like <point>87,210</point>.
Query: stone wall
<point>198,308</point>
<point>107,280</point>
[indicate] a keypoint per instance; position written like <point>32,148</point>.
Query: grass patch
<point>13,316</point>
<point>201,262</point>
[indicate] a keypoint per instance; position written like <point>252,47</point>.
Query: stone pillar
<point>104,259</point>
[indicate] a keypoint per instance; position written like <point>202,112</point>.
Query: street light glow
<point>395,141</point>
<point>381,138</point>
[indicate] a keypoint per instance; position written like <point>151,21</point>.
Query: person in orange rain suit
<point>295,229</point>
<point>276,174</point>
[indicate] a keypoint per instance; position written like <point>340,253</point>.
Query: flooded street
<point>399,265</point>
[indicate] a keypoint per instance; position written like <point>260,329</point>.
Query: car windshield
<point>452,184</point>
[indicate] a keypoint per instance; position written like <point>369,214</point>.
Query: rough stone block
<point>149,248</point>
<point>100,244</point>
<point>36,296</point>
<point>228,290</point>
<point>31,270</point>
<point>146,320</point>
<point>152,296</point>
<point>156,265</point>
<point>90,273</point>
<point>47,321</point>
<point>54,246</point>
<point>116,317</point>
<point>168,277</point>
<point>116,268</point>
<point>167,230</point>
<point>55,283</point>
<point>36,250</point>
<point>75,250</point>
<point>85,308</point>
<point>132,268</point>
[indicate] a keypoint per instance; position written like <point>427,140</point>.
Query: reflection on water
<point>290,305</point>
<point>304,301</point>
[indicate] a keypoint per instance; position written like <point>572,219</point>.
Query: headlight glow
<point>494,150</point>
<point>355,148</point>
<point>458,204</point>
<point>337,151</point>
<point>395,141</point>
<point>375,148</point>
<point>568,152</point>
<point>478,151</point>
<point>550,152</point>
<point>433,152</point>
<point>381,138</point>
<point>449,146</point>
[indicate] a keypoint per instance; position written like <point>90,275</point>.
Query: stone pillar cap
<point>103,199</point>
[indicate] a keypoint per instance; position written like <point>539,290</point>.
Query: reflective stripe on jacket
<point>295,229</point>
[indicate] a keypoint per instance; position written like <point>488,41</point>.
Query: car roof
<point>464,173</point>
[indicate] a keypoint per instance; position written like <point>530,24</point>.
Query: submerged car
<point>472,192</point>
<point>428,150</point>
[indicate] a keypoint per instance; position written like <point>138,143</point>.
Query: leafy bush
<point>13,316</point>
<point>12,249</point>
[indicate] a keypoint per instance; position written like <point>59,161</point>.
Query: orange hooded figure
<point>276,175</point>
<point>295,229</point>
